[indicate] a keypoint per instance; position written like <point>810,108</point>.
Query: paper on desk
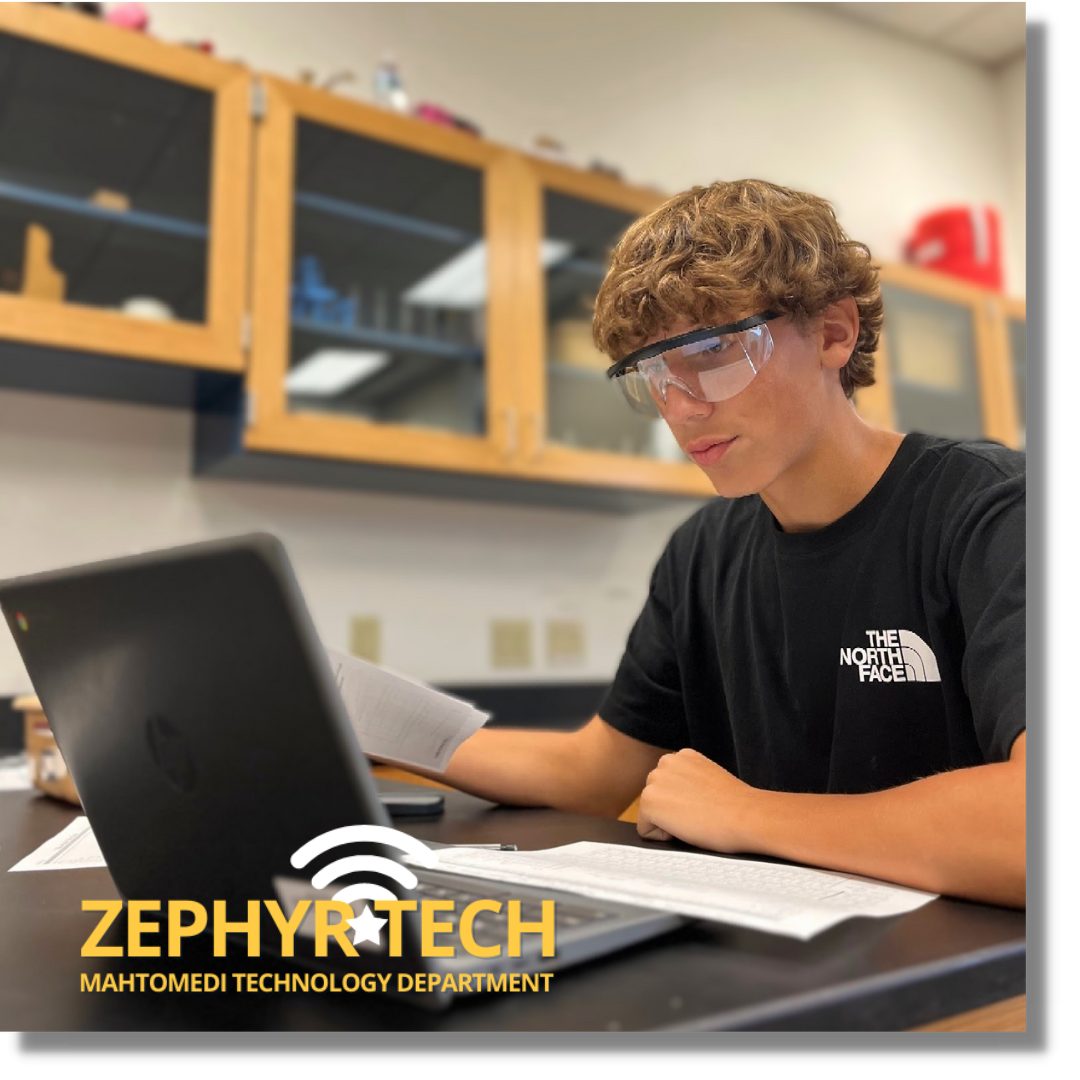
<point>72,848</point>
<point>399,718</point>
<point>789,900</point>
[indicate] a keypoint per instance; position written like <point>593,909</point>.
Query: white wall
<point>1011,89</point>
<point>84,480</point>
<point>675,94</point>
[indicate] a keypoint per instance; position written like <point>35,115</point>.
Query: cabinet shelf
<point>387,339</point>
<point>403,223</point>
<point>384,219</point>
<point>138,219</point>
<point>584,267</point>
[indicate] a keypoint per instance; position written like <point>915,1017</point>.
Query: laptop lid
<point>196,712</point>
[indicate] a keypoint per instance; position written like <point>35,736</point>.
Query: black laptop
<point>197,713</point>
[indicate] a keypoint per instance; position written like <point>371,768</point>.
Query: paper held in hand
<point>402,719</point>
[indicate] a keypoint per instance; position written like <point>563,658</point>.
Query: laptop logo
<point>366,926</point>
<point>171,755</point>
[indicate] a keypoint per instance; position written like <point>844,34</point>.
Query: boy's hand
<point>691,798</point>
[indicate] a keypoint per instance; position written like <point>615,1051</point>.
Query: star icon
<point>366,927</point>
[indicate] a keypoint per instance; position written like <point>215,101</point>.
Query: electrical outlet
<point>511,643</point>
<point>365,638</point>
<point>565,642</point>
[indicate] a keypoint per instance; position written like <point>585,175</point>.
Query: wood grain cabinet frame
<point>272,427</point>
<point>541,459</point>
<point>217,343</point>
<point>1010,309</point>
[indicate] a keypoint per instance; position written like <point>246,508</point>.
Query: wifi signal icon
<point>365,926</point>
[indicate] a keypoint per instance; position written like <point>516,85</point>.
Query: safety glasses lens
<point>711,369</point>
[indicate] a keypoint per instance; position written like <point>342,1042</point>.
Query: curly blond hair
<point>733,249</point>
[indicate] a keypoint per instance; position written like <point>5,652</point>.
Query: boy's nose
<point>681,406</point>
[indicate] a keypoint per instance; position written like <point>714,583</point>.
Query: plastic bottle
<point>389,89</point>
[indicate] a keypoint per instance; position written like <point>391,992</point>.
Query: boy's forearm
<point>593,770</point>
<point>960,833</point>
<point>489,764</point>
<point>524,768</point>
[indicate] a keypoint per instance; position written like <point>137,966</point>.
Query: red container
<point>964,241</point>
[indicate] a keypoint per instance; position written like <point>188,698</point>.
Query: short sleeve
<point>988,570</point>
<point>646,701</point>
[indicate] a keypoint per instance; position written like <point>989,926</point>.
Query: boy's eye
<point>719,347</point>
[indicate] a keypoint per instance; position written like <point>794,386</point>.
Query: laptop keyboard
<point>489,927</point>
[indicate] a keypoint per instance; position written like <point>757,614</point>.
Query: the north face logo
<point>892,656</point>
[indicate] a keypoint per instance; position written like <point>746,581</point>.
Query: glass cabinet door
<point>585,409</point>
<point>382,260</point>
<point>111,189</point>
<point>388,289</point>
<point>933,364</point>
<point>104,183</point>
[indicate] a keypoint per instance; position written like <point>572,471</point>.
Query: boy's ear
<point>839,332</point>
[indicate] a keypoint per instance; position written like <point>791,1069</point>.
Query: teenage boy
<point>829,667</point>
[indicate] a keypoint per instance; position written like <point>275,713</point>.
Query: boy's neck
<point>834,476</point>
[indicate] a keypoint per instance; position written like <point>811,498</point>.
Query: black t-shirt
<point>882,648</point>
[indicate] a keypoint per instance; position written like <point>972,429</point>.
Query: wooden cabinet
<point>124,174</point>
<point>358,289</point>
<point>459,279</point>
<point>421,299</point>
<point>577,428</point>
<point>383,281</point>
<point>950,361</point>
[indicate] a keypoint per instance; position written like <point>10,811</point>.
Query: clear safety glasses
<point>711,364</point>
